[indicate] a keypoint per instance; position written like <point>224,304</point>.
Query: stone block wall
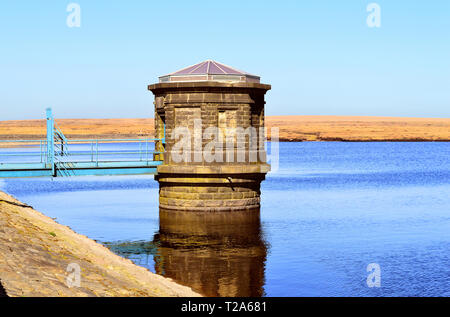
<point>195,182</point>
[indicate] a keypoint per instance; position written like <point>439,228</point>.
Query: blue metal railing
<point>54,154</point>
<point>143,151</point>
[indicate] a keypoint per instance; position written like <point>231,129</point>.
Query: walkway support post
<point>50,141</point>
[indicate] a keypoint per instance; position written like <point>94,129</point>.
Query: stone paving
<point>35,253</point>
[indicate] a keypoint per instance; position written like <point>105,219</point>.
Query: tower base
<point>210,188</point>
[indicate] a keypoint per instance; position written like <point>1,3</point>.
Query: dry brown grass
<point>79,129</point>
<point>353,128</point>
<point>292,128</point>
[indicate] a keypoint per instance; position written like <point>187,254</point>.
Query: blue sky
<point>320,56</point>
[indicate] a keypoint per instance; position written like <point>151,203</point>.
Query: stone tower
<point>216,253</point>
<point>212,118</point>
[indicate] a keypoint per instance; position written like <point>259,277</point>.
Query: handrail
<point>54,151</point>
<point>23,141</point>
<point>114,140</point>
<point>83,140</point>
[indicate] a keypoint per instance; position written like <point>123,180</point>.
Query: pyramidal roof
<point>209,71</point>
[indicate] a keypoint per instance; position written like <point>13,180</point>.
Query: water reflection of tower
<point>204,109</point>
<point>217,254</point>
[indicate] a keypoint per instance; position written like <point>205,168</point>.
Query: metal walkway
<point>52,157</point>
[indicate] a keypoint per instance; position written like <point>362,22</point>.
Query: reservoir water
<point>329,211</point>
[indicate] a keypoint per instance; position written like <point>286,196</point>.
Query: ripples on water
<point>330,210</point>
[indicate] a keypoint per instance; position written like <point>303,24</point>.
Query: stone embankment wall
<point>35,253</point>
